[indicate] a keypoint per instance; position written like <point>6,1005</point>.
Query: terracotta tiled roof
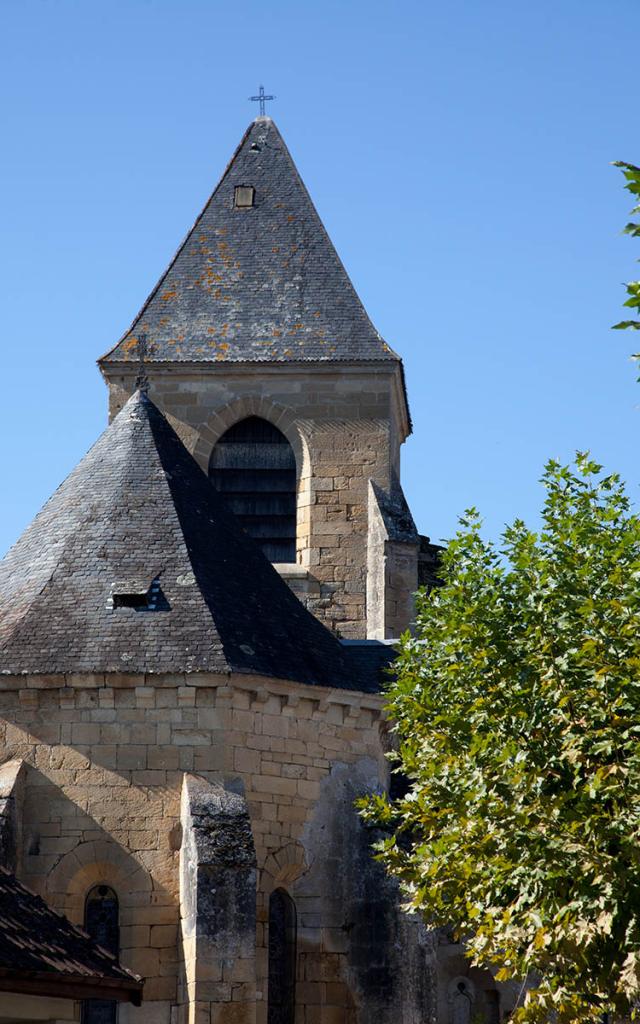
<point>261,283</point>
<point>138,521</point>
<point>42,953</point>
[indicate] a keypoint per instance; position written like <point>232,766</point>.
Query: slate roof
<point>42,952</point>
<point>257,284</point>
<point>374,659</point>
<point>136,513</point>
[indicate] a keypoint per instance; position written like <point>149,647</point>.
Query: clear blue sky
<point>459,155</point>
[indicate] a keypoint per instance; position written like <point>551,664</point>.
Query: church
<point>195,631</point>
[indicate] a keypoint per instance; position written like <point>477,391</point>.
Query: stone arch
<point>461,995</point>
<point>282,418</point>
<point>98,862</point>
<point>239,409</point>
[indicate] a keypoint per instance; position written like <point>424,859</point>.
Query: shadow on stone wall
<point>350,915</point>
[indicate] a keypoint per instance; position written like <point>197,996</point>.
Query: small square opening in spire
<point>244,196</point>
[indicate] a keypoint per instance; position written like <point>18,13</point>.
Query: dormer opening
<point>254,469</point>
<point>139,594</point>
<point>130,600</point>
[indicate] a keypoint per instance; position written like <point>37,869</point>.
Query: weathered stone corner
<point>11,791</point>
<point>392,563</point>
<point>217,902</point>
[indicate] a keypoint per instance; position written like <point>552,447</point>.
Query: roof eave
<point>129,367</point>
<point>71,986</point>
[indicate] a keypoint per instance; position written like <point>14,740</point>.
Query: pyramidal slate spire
<point>257,278</point>
<point>135,565</point>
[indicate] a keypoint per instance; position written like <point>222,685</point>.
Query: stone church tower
<point>256,317</point>
<point>192,647</point>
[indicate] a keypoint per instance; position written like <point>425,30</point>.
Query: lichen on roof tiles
<point>266,271</point>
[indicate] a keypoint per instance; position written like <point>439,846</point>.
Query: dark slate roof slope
<point>139,515</point>
<point>263,283</point>
<point>42,952</point>
<point>374,660</point>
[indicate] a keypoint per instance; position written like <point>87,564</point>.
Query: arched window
<point>282,959</point>
<point>254,468</point>
<point>101,922</point>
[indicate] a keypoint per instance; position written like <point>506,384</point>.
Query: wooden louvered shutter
<point>254,468</point>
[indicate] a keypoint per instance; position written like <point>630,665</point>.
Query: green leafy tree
<point>632,176</point>
<point>517,711</point>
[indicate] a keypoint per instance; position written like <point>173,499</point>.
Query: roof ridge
<point>320,224</point>
<point>181,246</point>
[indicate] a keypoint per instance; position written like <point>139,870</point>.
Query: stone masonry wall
<point>345,428</point>
<point>105,759</point>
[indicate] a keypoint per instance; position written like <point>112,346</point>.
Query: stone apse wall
<point>345,427</point>
<point>194,798</point>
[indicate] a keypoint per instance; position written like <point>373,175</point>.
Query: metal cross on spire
<point>142,379</point>
<point>261,99</point>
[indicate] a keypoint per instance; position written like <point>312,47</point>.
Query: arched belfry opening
<point>254,468</point>
<point>282,958</point>
<point>102,923</point>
